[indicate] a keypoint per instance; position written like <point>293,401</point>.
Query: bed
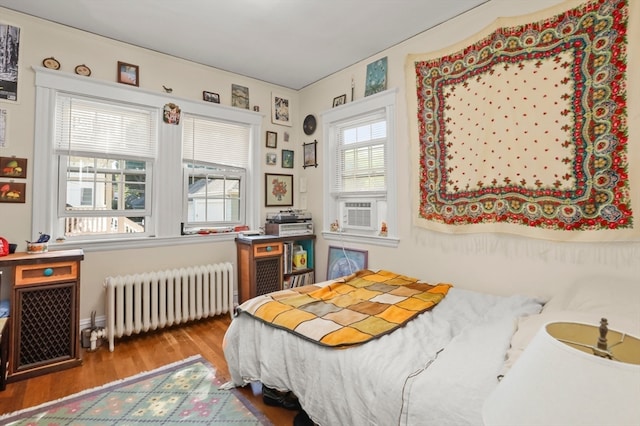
<point>437,369</point>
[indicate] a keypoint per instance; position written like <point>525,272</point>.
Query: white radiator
<point>142,302</point>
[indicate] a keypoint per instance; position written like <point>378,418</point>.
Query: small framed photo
<point>272,139</point>
<point>12,167</point>
<point>272,159</point>
<point>339,100</point>
<point>287,159</point>
<point>278,190</point>
<point>210,97</point>
<point>309,155</point>
<point>343,261</point>
<point>128,74</point>
<point>280,110</point>
<point>12,192</point>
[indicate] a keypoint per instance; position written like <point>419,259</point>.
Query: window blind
<point>361,154</point>
<point>215,142</point>
<point>84,126</point>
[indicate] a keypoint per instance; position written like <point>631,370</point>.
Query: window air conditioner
<point>359,215</point>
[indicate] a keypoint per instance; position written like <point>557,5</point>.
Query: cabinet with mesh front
<point>45,295</point>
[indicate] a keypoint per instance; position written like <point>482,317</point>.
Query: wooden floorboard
<point>133,355</point>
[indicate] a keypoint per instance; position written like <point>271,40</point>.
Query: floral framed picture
<point>280,110</point>
<point>310,155</point>
<point>272,139</point>
<point>343,261</point>
<point>278,190</point>
<point>287,159</point>
<point>128,74</point>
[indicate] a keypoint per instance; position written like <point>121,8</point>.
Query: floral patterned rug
<point>185,393</point>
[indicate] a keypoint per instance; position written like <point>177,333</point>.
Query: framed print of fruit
<point>13,167</point>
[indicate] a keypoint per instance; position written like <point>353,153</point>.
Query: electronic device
<point>288,223</point>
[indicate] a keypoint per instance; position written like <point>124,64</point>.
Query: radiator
<point>142,302</point>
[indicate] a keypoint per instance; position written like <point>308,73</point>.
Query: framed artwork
<point>9,48</point>
<point>239,96</point>
<point>272,139</point>
<point>287,159</point>
<point>3,127</point>
<point>278,190</point>
<point>128,74</point>
<point>376,77</point>
<point>272,158</point>
<point>343,261</point>
<point>210,97</point>
<point>309,155</point>
<point>12,192</point>
<point>339,100</point>
<point>13,167</point>
<point>280,110</point>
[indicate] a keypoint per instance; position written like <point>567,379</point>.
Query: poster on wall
<point>9,44</point>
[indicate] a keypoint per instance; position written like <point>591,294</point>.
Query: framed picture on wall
<point>272,139</point>
<point>343,261</point>
<point>309,155</point>
<point>9,48</point>
<point>128,74</point>
<point>278,190</point>
<point>280,110</point>
<point>12,192</point>
<point>210,97</point>
<point>287,159</point>
<point>272,158</point>
<point>13,167</point>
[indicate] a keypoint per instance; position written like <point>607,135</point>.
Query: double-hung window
<point>105,154</point>
<point>360,200</point>
<point>215,161</point>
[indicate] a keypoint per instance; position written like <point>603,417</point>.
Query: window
<point>215,156</point>
<point>108,170</point>
<point>360,199</point>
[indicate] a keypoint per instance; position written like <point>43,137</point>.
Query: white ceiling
<point>291,43</point>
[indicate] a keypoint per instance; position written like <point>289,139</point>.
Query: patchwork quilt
<point>349,311</point>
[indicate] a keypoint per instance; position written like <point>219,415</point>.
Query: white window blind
<point>215,142</point>
<point>84,126</point>
<point>361,154</point>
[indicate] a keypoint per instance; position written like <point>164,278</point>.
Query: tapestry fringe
<point>614,254</point>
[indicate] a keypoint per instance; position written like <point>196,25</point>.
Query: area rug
<point>186,393</point>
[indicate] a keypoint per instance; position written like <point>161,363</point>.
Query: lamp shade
<point>554,383</point>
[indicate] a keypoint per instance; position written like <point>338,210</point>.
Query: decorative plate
<point>51,63</point>
<point>309,125</point>
<point>83,70</point>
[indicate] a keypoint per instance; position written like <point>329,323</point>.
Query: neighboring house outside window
<point>108,170</point>
<point>360,177</point>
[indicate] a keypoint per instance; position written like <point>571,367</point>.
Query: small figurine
<point>335,226</point>
<point>383,229</point>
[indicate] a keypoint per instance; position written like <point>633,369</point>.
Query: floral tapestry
<point>526,128</point>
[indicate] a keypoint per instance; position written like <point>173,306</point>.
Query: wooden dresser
<point>44,329</point>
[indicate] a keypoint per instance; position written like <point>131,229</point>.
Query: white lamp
<point>558,380</point>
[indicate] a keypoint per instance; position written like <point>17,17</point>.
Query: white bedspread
<point>436,370</point>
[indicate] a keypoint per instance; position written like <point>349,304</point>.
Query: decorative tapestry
<point>525,130</point>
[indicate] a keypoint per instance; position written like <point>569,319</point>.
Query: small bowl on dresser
<point>36,248</point>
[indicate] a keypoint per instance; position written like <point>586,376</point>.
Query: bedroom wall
<point>495,263</point>
<point>492,262</point>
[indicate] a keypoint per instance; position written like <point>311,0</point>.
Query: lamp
<point>570,375</point>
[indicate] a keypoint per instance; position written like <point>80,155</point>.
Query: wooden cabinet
<point>44,323</point>
<point>261,263</point>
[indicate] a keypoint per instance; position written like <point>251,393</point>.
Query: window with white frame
<point>215,158</point>
<point>107,169</point>
<point>360,198</point>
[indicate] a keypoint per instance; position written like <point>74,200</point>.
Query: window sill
<point>362,239</point>
<point>136,243</point>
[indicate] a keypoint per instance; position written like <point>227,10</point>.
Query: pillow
<point>604,296</point>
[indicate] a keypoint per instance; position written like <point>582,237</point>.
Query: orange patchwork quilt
<point>349,311</point>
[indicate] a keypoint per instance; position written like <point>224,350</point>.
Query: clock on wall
<point>83,70</point>
<point>309,125</point>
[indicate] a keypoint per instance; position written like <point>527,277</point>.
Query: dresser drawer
<point>267,249</point>
<point>46,272</point>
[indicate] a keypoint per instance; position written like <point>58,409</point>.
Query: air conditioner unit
<point>359,215</point>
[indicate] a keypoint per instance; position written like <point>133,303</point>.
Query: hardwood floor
<point>133,355</point>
